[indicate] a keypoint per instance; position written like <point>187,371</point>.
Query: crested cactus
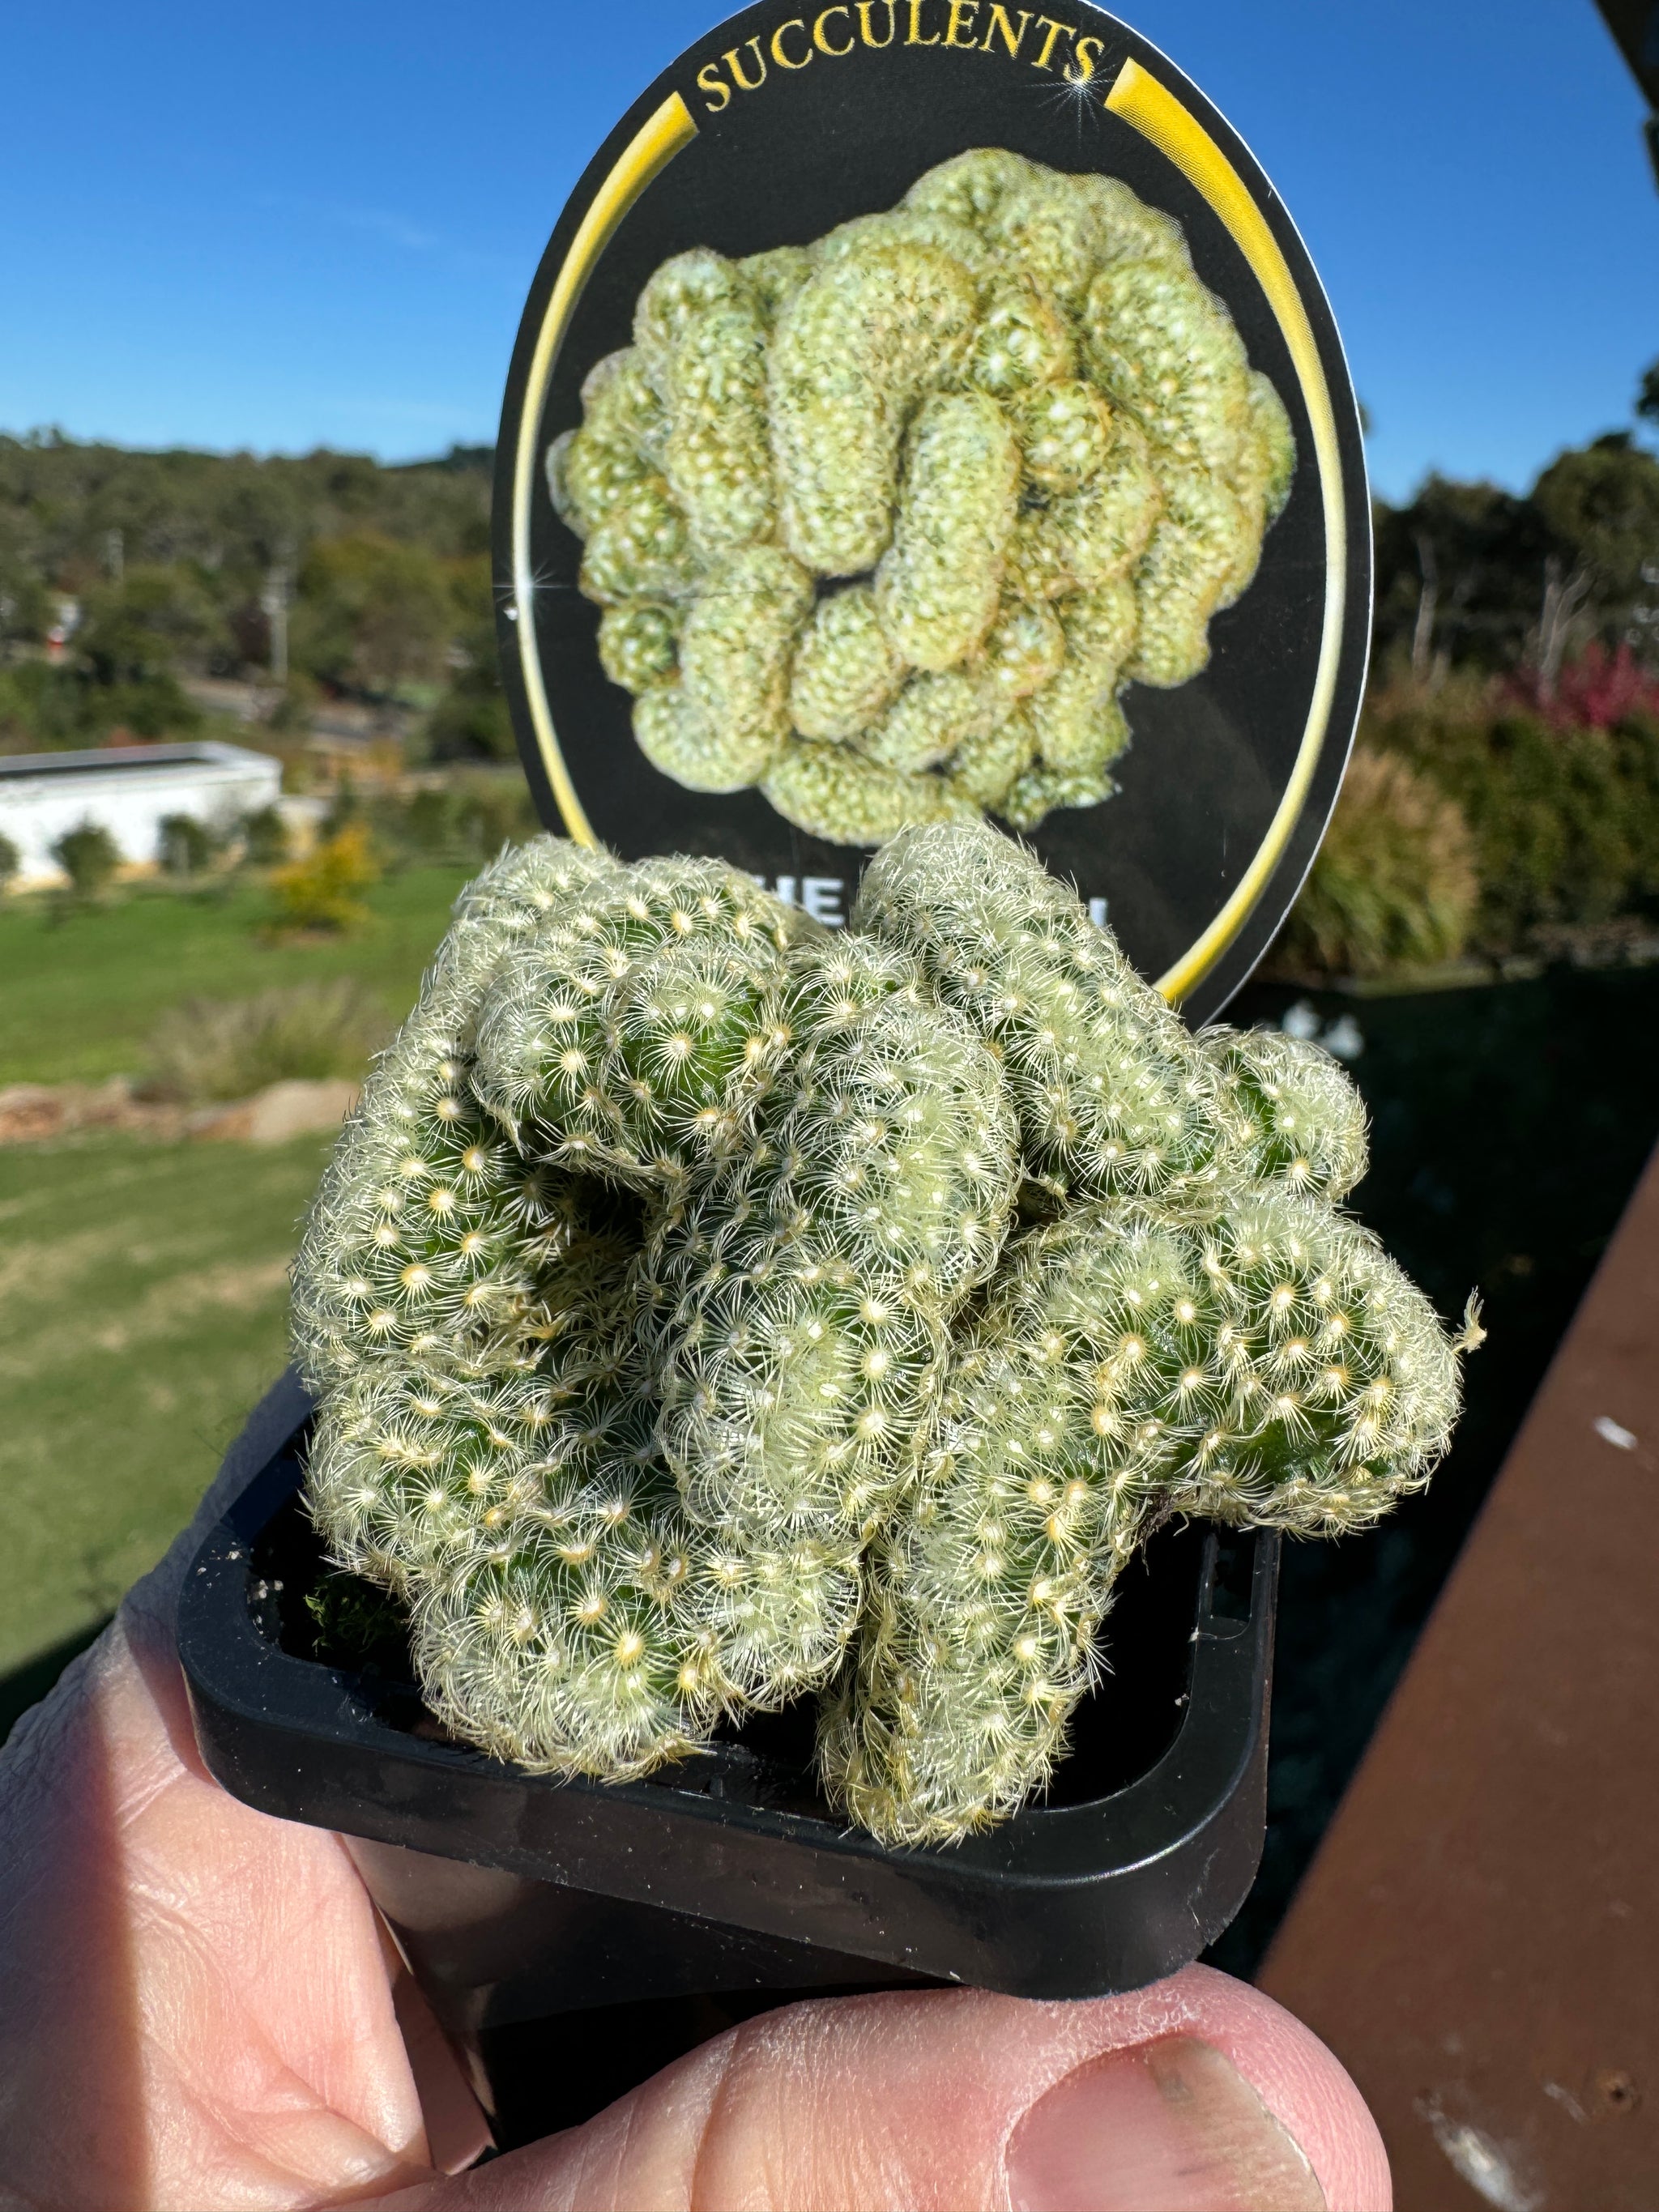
<point>704,1307</point>
<point>846,506</point>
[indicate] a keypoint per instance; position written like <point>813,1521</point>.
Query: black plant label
<point>1190,826</point>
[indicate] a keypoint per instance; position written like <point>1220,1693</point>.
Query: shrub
<point>186,845</point>
<point>320,892</point>
<point>490,813</point>
<point>471,720</point>
<point>1597,691</point>
<point>10,861</point>
<point>264,837</point>
<point>1394,885</point>
<point>1566,822</point>
<point>88,856</point>
<point>428,822</point>
<point>1635,745</point>
<point>206,1049</point>
<point>469,818</point>
<point>299,701</point>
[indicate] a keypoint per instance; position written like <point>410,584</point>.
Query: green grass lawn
<point>79,995</point>
<point>144,1298</point>
<point>143,1304</point>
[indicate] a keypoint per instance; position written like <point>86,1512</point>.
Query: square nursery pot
<point>574,1937</point>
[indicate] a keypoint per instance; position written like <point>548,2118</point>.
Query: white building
<point>128,791</point>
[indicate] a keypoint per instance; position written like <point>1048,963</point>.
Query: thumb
<point>1196,2095</point>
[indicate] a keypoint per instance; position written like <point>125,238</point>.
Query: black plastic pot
<point>574,1937</point>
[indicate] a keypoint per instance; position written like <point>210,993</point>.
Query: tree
<point>1647,394</point>
<point>230,514</point>
<point>127,651</point>
<point>1603,505</point>
<point>371,614</point>
<point>471,720</point>
<point>1458,573</point>
<point>138,629</point>
<point>217,523</point>
<point>1470,575</point>
<point>25,603</point>
<point>42,708</point>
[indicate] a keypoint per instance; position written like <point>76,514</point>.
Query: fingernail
<point>1171,2126</point>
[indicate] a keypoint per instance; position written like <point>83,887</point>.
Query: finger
<point>194,2003</point>
<point>457,2131</point>
<point>1199,2094</point>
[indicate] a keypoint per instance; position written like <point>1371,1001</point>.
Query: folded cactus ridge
<point>705,1307</point>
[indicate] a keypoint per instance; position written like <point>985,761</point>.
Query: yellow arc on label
<point>1178,135</point>
<point>648,152</point>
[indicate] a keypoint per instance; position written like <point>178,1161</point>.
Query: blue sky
<point>279,227</point>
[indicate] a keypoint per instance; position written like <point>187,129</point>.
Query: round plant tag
<point>925,409</point>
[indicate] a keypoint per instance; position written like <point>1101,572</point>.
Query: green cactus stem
<point>703,1308</point>
<point>1272,1369</point>
<point>805,1295</point>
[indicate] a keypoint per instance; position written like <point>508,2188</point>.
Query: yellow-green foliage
<point>1394,884</point>
<point>849,508</point>
<point>704,1306</point>
<point>321,891</point>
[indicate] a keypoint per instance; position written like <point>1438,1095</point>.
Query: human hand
<point>199,2008</point>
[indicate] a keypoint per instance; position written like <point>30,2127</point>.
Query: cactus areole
<point>708,1308</point>
<point>927,412</point>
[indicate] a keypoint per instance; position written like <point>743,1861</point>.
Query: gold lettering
<point>823,44</point>
<point>779,56</point>
<point>915,38</point>
<point>1053,30</point>
<point>962,13</point>
<point>1082,70</point>
<point>892,6</point>
<point>712,81</point>
<point>730,58</point>
<point>1011,37</point>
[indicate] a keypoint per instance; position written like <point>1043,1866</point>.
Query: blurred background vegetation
<point>1504,803</point>
<point>133,583</point>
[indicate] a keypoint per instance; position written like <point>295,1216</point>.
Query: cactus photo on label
<point>705,1308</point>
<point>885,525</point>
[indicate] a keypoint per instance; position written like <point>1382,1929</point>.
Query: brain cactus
<point>885,525</point>
<point>704,1307</point>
